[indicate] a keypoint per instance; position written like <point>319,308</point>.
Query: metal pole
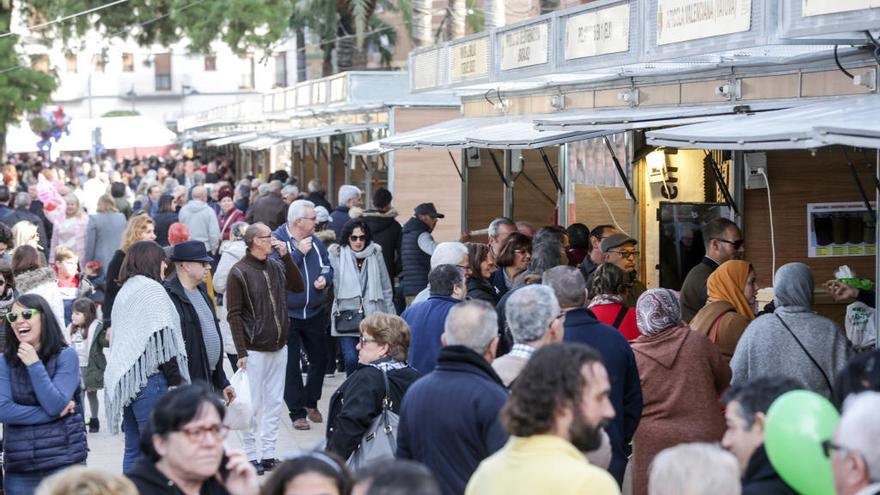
<point>464,189</point>
<point>566,187</point>
<point>331,197</point>
<point>877,255</point>
<point>508,185</point>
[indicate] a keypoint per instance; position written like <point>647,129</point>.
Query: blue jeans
<point>26,483</point>
<point>349,353</point>
<point>136,415</point>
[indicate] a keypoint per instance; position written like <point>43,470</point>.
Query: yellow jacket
<point>540,464</point>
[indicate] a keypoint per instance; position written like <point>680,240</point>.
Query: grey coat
<point>386,305</point>
<point>104,237</point>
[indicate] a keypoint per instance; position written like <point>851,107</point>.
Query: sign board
<point>823,7</point>
<point>685,20</point>
<point>839,229</point>
<point>426,69</point>
<point>319,92</point>
<point>597,32</point>
<point>469,60</point>
<point>526,46</point>
<point>303,95</point>
<point>338,89</point>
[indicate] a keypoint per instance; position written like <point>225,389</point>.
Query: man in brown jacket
<point>257,303</point>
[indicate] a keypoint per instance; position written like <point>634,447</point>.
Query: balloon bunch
<point>50,125</point>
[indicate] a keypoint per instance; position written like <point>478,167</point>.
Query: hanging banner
<point>684,20</point>
<point>822,7</point>
<point>470,60</point>
<point>597,32</point>
<point>525,47</point>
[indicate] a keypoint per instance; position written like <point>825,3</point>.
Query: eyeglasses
<point>27,314</point>
<point>522,252</point>
<point>264,236</point>
<point>736,244</point>
<point>356,238</point>
<point>309,218</point>
<point>626,254</point>
<point>366,340</point>
<point>198,435</point>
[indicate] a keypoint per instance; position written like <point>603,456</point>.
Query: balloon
<point>797,424</point>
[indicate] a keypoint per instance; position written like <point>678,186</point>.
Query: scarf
<point>793,286</point>
<point>727,283</point>
<point>365,283</point>
<point>387,364</point>
<point>146,334</point>
<point>602,299</point>
<point>657,310</point>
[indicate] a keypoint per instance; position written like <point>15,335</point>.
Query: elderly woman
<point>793,341</point>
<point>681,373</point>
<point>229,214</point>
<point>183,447</point>
<point>695,469</point>
<point>362,286</point>
<point>730,306</point>
<point>383,347</point>
<point>513,259</point>
<point>482,265</point>
<point>606,290</point>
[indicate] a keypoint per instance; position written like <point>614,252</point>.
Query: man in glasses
<point>724,242</point>
<point>854,452</point>
<point>620,249</point>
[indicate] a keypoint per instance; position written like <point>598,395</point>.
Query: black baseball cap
<point>428,209</point>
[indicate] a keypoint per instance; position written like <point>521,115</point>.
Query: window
<point>40,63</point>
<point>162,67</point>
<point>247,72</point>
<point>70,59</point>
<point>281,70</point>
<point>127,62</point>
<point>98,63</point>
<point>210,63</point>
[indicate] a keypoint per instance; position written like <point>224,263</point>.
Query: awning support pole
<point>498,168</point>
<point>855,176</point>
<point>716,171</point>
<point>550,171</point>
<point>454,164</point>
<point>620,171</point>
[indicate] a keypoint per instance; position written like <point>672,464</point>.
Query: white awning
<point>239,137</point>
<point>371,148</point>
<point>261,143</point>
<point>845,120</point>
<point>327,130</point>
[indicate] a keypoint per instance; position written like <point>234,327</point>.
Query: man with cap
<point>385,229</point>
<point>198,321</point>
<point>620,249</point>
<point>416,247</point>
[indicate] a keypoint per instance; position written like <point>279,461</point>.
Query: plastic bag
<point>860,326</point>
<point>240,411</point>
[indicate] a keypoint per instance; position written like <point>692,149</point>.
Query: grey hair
<point>169,185</point>
<point>22,200</point>
<point>199,193</point>
<point>497,223</point>
<point>236,232</point>
<point>859,429</point>
<point>530,311</point>
<point>448,253</point>
<point>198,177</point>
<point>263,188</point>
<point>347,192</point>
<point>314,185</point>
<point>275,186</point>
<point>568,285</point>
<point>297,209</point>
<point>472,324</point>
<point>290,191</point>
<point>694,468</point>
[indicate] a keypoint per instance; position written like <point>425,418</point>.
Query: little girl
<point>88,337</point>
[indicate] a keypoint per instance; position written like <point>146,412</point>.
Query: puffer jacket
<point>386,232</point>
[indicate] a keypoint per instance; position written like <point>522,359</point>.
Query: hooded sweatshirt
<point>314,264</point>
<point>202,223</point>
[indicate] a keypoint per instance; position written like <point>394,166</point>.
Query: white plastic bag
<point>860,325</point>
<point>240,411</point>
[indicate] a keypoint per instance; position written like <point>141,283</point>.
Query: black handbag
<point>349,320</point>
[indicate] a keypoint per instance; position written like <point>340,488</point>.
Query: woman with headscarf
<point>682,374</point>
<point>793,341</point>
<point>730,306</point>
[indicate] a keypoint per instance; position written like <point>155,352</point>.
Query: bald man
<point>201,219</point>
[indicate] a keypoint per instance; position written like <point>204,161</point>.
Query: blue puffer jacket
<point>316,263</point>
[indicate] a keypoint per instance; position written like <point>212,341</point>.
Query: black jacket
<point>21,214</point>
<point>481,289</point>
<point>358,401</point>
<point>387,233</point>
<point>319,200</point>
<point>112,287</point>
<point>416,263</point>
<point>761,479</point>
<point>151,481</point>
<point>269,209</point>
<point>163,223</point>
<point>191,326</point>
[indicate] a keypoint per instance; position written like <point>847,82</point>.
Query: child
<point>88,337</point>
<point>71,284</point>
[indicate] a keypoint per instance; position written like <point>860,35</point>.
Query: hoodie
<point>150,480</point>
<point>202,223</point>
<point>314,264</point>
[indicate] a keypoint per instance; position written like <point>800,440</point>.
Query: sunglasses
<point>356,238</point>
<point>27,314</point>
<point>736,244</point>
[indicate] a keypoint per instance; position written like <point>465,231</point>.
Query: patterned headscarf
<point>657,310</point>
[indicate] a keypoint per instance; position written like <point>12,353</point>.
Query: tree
<point>495,13</point>
<point>455,25</point>
<point>422,21</point>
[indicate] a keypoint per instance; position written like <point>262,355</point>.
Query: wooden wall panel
<point>485,192</point>
<point>591,211</point>
<point>534,194</point>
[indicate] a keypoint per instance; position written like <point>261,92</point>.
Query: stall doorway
<point>681,238</point>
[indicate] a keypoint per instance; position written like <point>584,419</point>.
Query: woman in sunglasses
<point>39,397</point>
<point>362,286</point>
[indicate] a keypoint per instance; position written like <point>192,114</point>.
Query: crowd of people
<point>536,362</point>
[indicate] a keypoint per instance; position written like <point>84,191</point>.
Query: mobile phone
<point>224,471</point>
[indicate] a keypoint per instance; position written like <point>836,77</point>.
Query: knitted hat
<point>225,192</point>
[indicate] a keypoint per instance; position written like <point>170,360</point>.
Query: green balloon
<point>797,424</point>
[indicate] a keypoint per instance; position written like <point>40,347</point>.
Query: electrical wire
<point>610,213</point>
<point>772,230</point>
<point>839,66</point>
<point>66,18</point>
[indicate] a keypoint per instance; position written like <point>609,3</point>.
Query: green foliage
<point>379,29</point>
<point>476,18</point>
<point>121,113</point>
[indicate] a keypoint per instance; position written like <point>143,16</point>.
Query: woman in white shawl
<point>147,351</point>
<point>362,286</point>
<point>792,341</point>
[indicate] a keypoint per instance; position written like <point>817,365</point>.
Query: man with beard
<point>555,412</point>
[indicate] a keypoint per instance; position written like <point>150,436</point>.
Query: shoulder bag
<point>380,440</point>
<point>349,320</point>
<point>824,375</point>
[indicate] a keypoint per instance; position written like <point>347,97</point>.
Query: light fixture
<point>656,161</point>
<point>630,96</point>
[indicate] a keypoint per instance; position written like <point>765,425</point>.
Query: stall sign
<point>823,7</point>
<point>426,70</point>
<point>470,60</point>
<point>525,47</point>
<point>839,229</point>
<point>597,32</point>
<point>685,20</point>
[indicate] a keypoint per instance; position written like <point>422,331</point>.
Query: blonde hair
<point>136,227</point>
<point>391,330</point>
<point>71,198</point>
<point>106,204</point>
<point>63,253</point>
<point>80,480</point>
<point>23,233</point>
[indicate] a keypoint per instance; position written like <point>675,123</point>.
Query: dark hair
<point>6,272</point>
<point>861,373</point>
<point>142,258</point>
<point>756,395</point>
<point>51,339</point>
<point>444,278</point>
<point>477,253</point>
<point>5,195</point>
<point>398,477</point>
<point>88,308</point>
<point>26,258</point>
<point>550,233</point>
<point>551,378</point>
<point>324,463</point>
<point>515,241</point>
<point>117,189</point>
<point>348,229</point>
<point>166,204</point>
<point>607,279</point>
<point>597,232</point>
<point>545,255</point>
<point>6,236</point>
<point>177,408</point>
<point>578,236</point>
<point>382,198</point>
<point>714,229</point>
